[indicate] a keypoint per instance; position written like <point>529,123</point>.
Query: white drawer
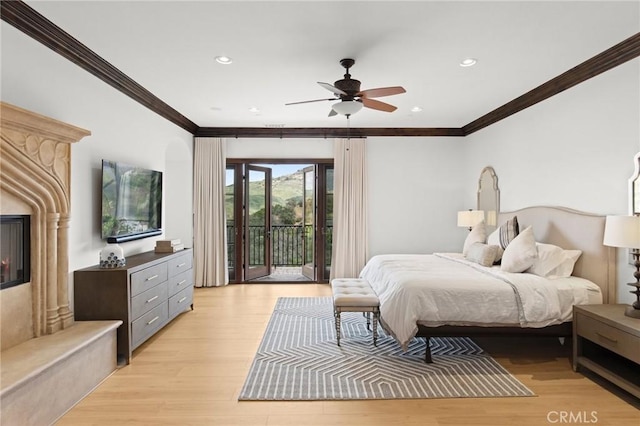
<point>149,323</point>
<point>180,282</point>
<point>148,300</point>
<point>180,264</point>
<point>180,302</point>
<point>147,278</point>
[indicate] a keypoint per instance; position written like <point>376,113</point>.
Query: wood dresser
<point>147,293</point>
<point>607,342</point>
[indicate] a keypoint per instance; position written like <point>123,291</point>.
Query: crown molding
<point>30,22</point>
<point>324,132</point>
<point>619,54</point>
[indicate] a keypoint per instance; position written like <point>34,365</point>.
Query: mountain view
<point>290,234</point>
<point>286,199</point>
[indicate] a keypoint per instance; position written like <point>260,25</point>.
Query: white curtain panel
<point>210,236</point>
<point>350,216</point>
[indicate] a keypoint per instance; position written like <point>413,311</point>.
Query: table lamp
<point>624,232</point>
<point>470,218</point>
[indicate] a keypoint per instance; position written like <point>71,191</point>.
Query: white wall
<point>416,187</point>
<point>37,79</point>
<point>575,149</point>
<point>279,148</point>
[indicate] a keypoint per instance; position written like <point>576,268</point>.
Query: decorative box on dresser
<point>607,342</point>
<point>146,294</point>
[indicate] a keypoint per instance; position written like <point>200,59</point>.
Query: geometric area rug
<point>298,359</point>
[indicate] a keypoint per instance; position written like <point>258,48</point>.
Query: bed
<point>445,294</point>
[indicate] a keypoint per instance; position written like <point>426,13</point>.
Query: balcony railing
<point>287,244</point>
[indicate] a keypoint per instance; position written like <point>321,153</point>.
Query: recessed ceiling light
<point>224,60</point>
<point>468,62</point>
<point>254,110</point>
<point>416,109</point>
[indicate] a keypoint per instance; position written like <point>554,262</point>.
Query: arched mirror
<point>489,197</point>
<point>634,187</point>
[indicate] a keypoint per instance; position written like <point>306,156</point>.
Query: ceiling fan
<point>351,98</point>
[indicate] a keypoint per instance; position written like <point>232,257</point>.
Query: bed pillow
<point>482,254</point>
<point>520,253</point>
<point>502,236</point>
<point>477,235</point>
<point>554,261</point>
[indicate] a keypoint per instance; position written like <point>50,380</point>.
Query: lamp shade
<point>622,231</point>
<point>347,107</point>
<point>470,218</point>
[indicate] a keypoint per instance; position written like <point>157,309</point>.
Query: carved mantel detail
<point>35,162</point>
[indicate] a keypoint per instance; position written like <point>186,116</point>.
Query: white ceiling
<point>281,49</point>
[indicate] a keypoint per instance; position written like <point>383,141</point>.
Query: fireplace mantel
<point>35,161</point>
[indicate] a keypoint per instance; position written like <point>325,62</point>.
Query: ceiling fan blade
<point>380,106</point>
<point>315,100</point>
<point>332,88</point>
<point>332,113</point>
<point>381,91</point>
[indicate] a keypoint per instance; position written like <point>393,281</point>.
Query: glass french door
<point>309,223</point>
<point>259,236</point>
<point>257,221</point>
<point>325,220</point>
<point>230,205</point>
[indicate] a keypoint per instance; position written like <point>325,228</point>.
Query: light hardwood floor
<point>191,374</point>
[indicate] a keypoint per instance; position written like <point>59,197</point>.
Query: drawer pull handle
<point>181,265</point>
<point>152,299</point>
<point>153,320</point>
<point>182,282</point>
<point>153,277</point>
<point>182,300</point>
<point>607,338</point>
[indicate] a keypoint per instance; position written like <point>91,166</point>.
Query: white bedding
<point>446,289</point>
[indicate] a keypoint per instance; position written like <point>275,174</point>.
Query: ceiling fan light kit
<point>351,98</point>
<point>347,107</point>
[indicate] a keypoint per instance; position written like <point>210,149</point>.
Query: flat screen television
<point>131,202</point>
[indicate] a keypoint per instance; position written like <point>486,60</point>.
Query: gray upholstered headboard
<point>572,229</point>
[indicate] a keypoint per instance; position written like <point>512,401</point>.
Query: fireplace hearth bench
<point>69,364</point>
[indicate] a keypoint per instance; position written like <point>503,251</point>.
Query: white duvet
<point>446,289</point>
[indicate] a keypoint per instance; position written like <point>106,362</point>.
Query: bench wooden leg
<point>376,314</point>
<point>336,314</point>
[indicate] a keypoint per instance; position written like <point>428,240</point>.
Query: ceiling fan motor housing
<point>349,86</point>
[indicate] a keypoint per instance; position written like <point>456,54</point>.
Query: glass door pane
<point>229,206</point>
<point>257,222</point>
<point>328,221</point>
<point>309,221</point>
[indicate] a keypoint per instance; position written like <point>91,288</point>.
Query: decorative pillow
<point>477,235</point>
<point>482,254</point>
<point>520,253</point>
<point>554,261</point>
<point>504,235</point>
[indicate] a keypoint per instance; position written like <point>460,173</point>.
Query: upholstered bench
<point>355,295</point>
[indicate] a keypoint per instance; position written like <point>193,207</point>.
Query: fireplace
<point>15,250</point>
<point>35,175</point>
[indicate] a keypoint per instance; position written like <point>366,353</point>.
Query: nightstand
<point>607,342</point>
